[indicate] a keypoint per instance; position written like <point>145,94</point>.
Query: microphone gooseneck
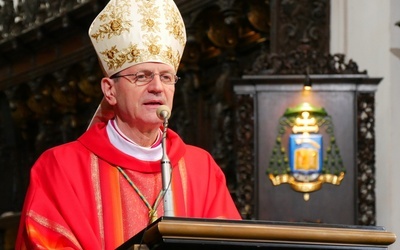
<point>163,112</point>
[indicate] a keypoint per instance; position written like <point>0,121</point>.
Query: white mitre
<point>129,32</point>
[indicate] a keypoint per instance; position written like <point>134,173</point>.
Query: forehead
<point>150,66</point>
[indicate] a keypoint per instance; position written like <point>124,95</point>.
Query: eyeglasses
<point>144,77</point>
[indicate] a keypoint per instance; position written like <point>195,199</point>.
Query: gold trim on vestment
<point>54,226</point>
<point>95,174</point>
<point>183,174</point>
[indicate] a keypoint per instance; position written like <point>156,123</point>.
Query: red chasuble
<point>77,198</point>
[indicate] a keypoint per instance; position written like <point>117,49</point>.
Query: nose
<point>158,76</point>
<point>155,85</point>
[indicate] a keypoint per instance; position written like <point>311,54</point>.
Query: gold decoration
<point>127,33</point>
<point>153,215</point>
<point>304,169</point>
<point>114,21</point>
<point>306,187</point>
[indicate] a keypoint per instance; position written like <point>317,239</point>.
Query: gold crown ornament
<point>129,32</point>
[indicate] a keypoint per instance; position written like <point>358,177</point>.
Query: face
<point>135,106</point>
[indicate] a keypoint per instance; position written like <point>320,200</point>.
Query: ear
<point>108,88</point>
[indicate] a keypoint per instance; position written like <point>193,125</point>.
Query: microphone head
<point>163,112</point>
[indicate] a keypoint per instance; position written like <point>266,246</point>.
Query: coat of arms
<point>306,164</point>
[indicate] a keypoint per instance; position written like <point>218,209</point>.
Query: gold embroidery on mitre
<point>111,57</point>
<point>171,58</point>
<point>156,50</point>
<point>114,21</point>
<point>132,53</point>
<point>175,25</point>
<point>156,32</point>
<point>150,15</point>
<point>151,42</point>
<point>116,58</point>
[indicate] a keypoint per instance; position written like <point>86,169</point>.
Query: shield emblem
<point>305,156</point>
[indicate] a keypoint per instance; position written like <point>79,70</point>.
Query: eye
<point>167,77</point>
<point>143,76</point>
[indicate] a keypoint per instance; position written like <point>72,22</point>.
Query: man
<point>99,191</point>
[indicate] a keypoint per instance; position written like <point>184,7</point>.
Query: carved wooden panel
<point>302,24</point>
<point>44,112</point>
<point>246,188</point>
<point>366,159</point>
<point>331,204</point>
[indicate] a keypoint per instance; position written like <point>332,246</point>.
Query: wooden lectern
<point>182,233</point>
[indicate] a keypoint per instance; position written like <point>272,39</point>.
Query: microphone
<point>163,112</point>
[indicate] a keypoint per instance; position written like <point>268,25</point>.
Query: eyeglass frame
<point>151,79</point>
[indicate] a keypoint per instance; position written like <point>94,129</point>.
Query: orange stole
<point>124,213</point>
<point>179,189</point>
<point>111,205</point>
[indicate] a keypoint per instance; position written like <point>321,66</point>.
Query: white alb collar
<point>129,147</point>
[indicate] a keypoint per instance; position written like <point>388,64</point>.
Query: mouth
<point>153,103</point>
